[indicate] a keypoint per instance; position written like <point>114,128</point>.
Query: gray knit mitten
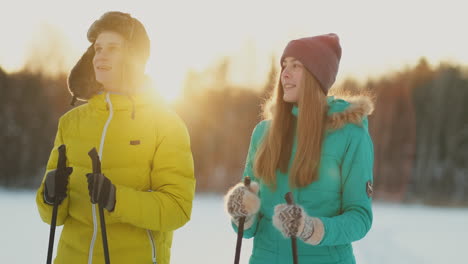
<point>292,220</point>
<point>243,201</point>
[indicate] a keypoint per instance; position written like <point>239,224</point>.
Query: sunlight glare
<point>166,83</point>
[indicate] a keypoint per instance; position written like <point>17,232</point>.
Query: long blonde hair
<point>276,149</point>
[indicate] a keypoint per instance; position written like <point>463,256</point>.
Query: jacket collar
<point>121,102</point>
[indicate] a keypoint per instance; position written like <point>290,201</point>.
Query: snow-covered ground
<point>412,234</point>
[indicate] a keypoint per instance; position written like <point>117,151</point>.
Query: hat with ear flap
<point>82,82</point>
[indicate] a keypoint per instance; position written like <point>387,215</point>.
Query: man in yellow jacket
<point>147,182</point>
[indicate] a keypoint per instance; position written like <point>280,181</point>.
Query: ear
<point>82,82</point>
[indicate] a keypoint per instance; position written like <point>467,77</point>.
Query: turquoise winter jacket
<point>340,199</point>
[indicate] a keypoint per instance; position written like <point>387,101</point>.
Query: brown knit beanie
<point>320,55</point>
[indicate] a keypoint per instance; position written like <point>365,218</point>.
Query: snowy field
<point>412,234</point>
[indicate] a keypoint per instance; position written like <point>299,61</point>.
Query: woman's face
<point>291,79</point>
<point>108,59</point>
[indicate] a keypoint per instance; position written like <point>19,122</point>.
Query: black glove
<point>101,190</point>
<point>55,186</point>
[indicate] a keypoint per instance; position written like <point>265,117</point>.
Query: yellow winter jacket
<point>145,152</point>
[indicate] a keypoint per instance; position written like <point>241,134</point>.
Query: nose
<point>102,54</point>
<point>285,73</point>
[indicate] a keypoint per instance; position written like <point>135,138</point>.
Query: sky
<point>376,36</point>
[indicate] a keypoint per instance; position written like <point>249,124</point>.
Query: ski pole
<point>61,164</point>
<point>240,230</point>
<point>290,200</point>
<point>97,169</point>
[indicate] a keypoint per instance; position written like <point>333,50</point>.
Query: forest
<point>419,127</point>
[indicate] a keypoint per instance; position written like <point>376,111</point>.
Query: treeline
<point>420,133</point>
<point>419,128</point>
<point>30,105</point>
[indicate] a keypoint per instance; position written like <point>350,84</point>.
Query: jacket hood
<point>342,111</point>
<point>352,110</point>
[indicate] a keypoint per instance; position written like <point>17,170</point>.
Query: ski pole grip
<point>60,172</point>
<point>247,181</point>
<point>95,159</point>
<point>289,198</point>
<point>62,158</point>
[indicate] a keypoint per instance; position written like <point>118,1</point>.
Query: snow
<point>400,234</point>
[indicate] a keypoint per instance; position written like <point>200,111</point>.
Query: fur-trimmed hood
<point>348,110</point>
<point>345,110</point>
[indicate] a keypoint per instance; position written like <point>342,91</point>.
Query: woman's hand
<point>292,220</point>
<point>243,201</point>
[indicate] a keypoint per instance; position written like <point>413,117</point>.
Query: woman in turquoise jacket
<point>316,146</point>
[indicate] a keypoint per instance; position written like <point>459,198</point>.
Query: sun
<point>167,84</point>
<point>170,95</point>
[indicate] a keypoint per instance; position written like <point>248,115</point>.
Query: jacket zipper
<point>151,239</point>
<point>101,148</point>
<point>153,248</point>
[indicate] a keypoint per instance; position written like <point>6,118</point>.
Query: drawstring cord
<point>73,101</point>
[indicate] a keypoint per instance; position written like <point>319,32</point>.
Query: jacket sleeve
<point>248,171</point>
<point>45,210</point>
<point>356,218</point>
<point>168,206</point>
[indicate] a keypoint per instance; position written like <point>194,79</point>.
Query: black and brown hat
<point>82,82</point>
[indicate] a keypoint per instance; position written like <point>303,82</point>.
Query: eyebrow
<point>110,44</point>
